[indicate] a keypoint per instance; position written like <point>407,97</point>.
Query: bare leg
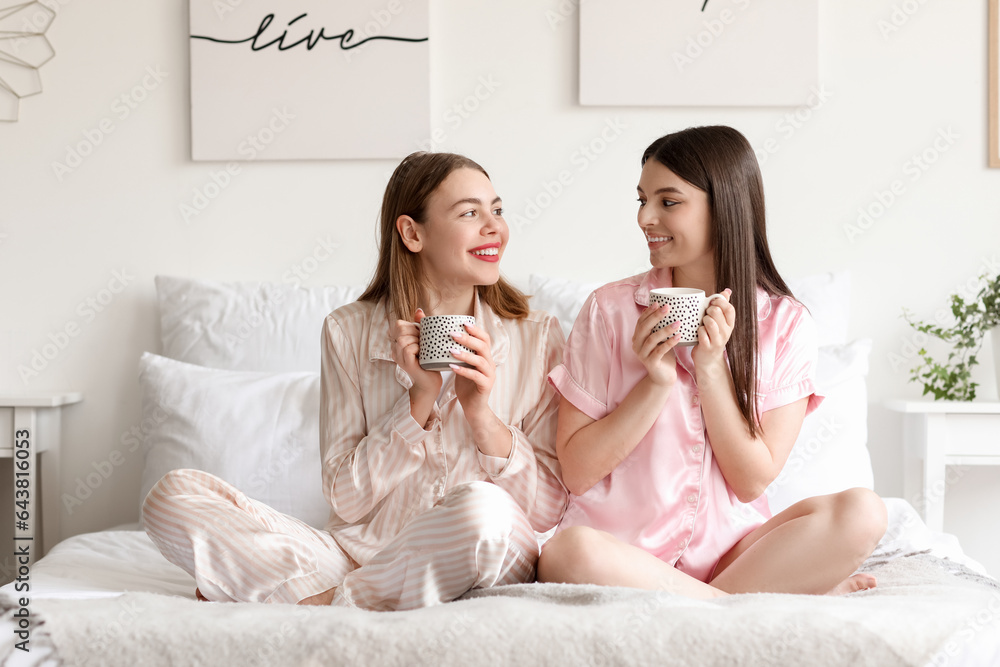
<point>812,547</point>
<point>582,555</point>
<point>854,583</point>
<point>324,598</point>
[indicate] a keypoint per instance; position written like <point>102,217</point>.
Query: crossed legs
<point>238,549</point>
<point>812,547</point>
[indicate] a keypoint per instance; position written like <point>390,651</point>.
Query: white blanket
<point>920,603</point>
<point>925,611</point>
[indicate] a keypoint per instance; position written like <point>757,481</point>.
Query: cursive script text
<point>258,41</point>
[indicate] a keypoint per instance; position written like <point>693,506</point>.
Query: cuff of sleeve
<point>571,390</point>
<point>406,426</point>
<point>791,393</point>
<point>496,466</point>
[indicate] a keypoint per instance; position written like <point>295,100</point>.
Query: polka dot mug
<point>436,342</point>
<point>687,306</point>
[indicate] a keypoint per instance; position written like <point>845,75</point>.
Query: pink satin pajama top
<point>669,496</point>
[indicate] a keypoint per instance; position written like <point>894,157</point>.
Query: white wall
<point>889,97</point>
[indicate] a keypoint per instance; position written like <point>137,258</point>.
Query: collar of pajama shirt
<point>669,496</point>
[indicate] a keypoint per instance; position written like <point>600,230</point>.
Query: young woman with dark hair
<point>667,451</point>
<point>437,481</point>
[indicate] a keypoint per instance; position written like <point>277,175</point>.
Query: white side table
<point>30,426</point>
<point>938,434</point>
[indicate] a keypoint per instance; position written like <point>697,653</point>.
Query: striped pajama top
<point>381,468</point>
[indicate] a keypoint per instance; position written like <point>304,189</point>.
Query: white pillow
<point>826,295</point>
<point>257,431</point>
<point>246,326</point>
<point>831,452</point>
<point>559,297</point>
<point>828,298</point>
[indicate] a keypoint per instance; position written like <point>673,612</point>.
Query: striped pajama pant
<point>238,549</point>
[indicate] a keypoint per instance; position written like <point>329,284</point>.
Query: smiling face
<point>676,218</point>
<point>462,239</point>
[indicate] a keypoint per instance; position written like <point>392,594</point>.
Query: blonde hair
<point>397,277</point>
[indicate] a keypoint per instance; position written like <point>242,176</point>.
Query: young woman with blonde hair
<point>437,481</point>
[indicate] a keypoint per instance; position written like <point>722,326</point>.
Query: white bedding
<point>106,564</point>
<point>111,563</point>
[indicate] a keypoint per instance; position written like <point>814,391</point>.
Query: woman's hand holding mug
<point>405,351</point>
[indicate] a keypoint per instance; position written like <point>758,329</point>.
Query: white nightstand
<point>30,426</point>
<point>938,434</point>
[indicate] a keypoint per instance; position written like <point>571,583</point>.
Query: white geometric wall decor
<point>23,49</point>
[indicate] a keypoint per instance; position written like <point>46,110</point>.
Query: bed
<point>246,355</point>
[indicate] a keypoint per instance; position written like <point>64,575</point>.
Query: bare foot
<point>201,598</point>
<point>323,599</point>
<point>854,583</point>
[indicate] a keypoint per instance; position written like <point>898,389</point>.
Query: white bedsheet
<point>93,565</point>
<point>105,564</point>
<point>110,563</point>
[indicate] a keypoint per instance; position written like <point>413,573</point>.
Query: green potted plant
<point>952,380</point>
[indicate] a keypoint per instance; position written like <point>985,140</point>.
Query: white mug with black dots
<point>436,341</point>
<point>687,306</point>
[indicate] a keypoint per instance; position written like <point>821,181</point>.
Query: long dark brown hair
<point>398,277</point>
<point>720,161</point>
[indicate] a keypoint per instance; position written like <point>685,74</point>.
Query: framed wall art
<point>698,52</point>
<point>994,70</point>
<point>308,79</point>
